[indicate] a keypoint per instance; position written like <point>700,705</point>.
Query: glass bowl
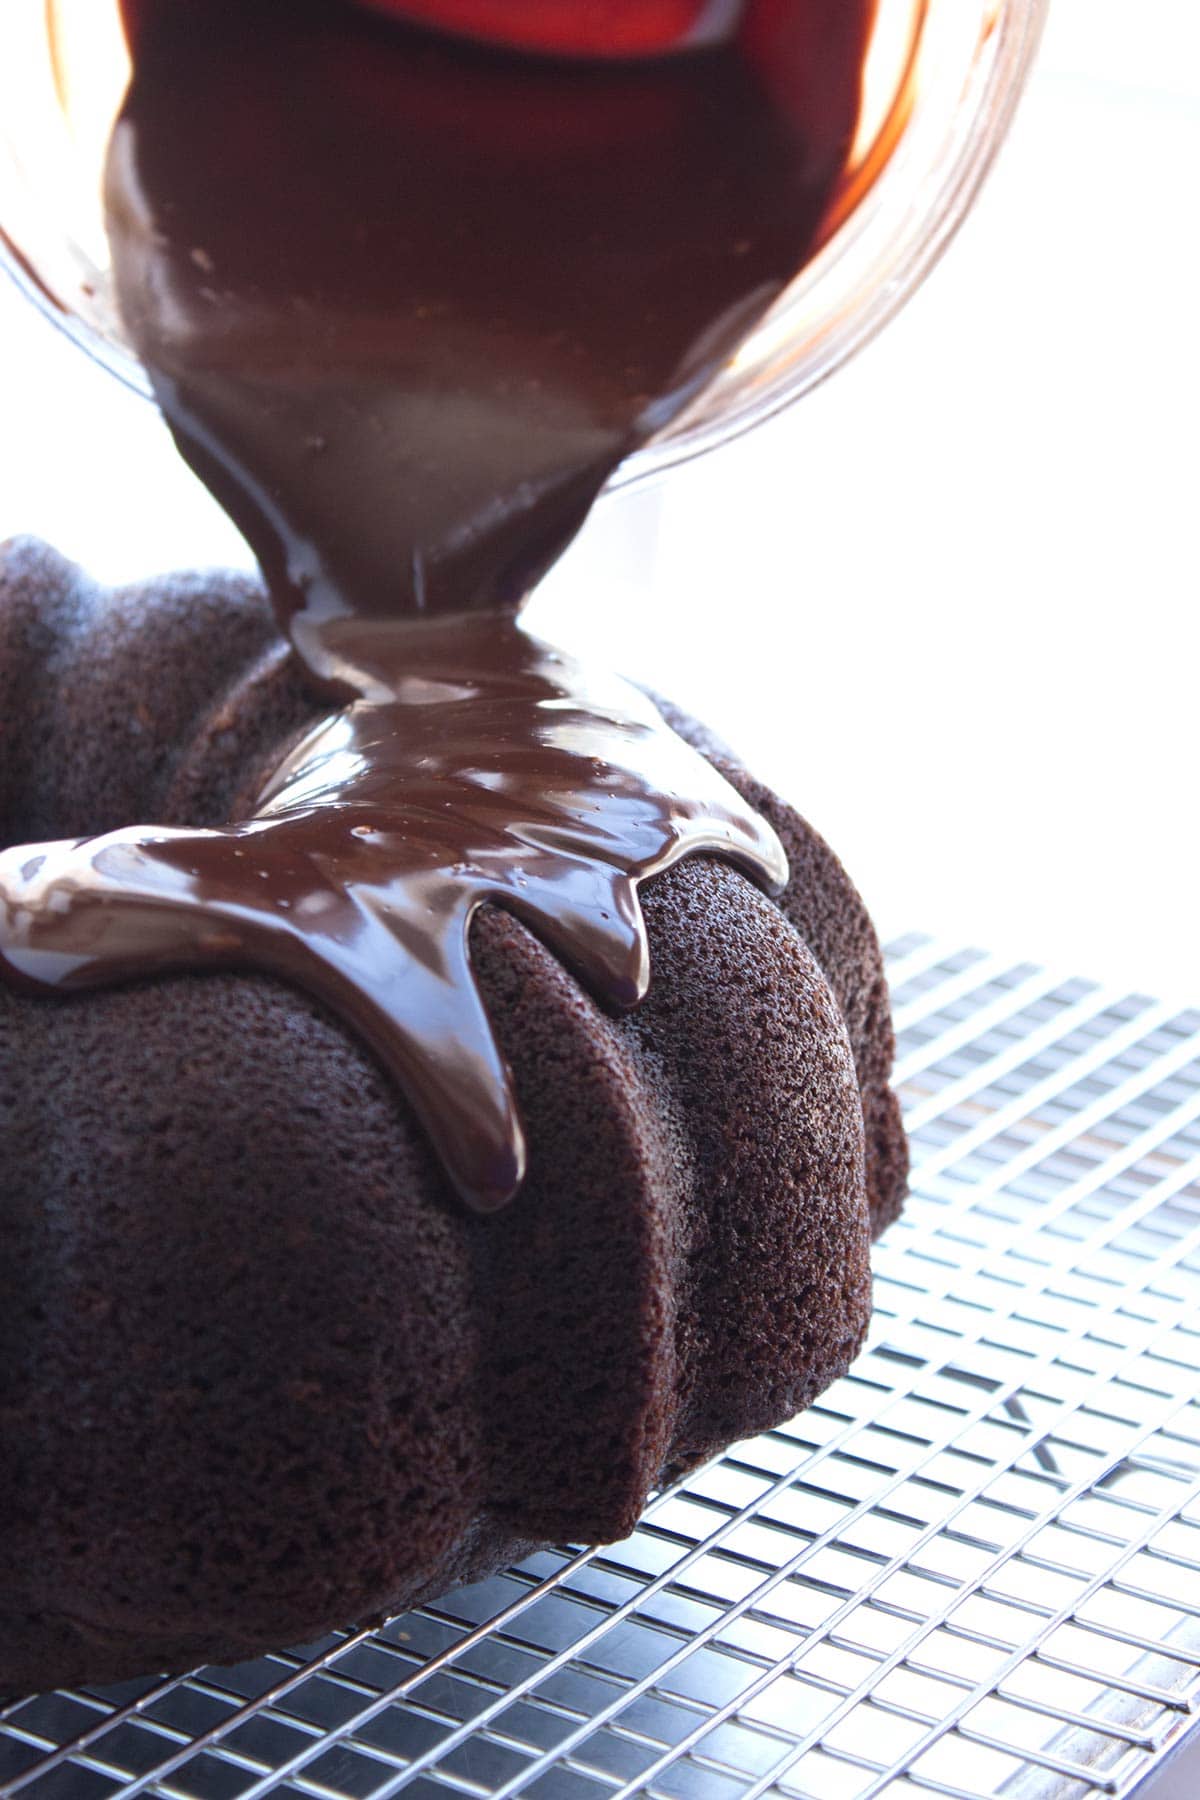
<point>942,82</point>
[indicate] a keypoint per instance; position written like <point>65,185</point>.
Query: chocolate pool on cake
<point>442,1094</point>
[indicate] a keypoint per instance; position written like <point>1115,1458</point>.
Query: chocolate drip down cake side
<point>442,1093</point>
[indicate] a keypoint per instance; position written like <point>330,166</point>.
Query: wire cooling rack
<point>972,1570</point>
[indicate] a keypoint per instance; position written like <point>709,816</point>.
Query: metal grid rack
<point>972,1570</point>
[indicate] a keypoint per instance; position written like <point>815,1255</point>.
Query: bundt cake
<point>441,1094</point>
<point>263,1371</point>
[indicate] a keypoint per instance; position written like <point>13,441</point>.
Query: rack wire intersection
<point>972,1570</point>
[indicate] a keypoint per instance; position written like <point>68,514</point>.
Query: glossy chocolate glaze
<point>405,304</point>
<point>501,771</point>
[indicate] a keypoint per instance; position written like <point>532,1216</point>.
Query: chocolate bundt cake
<point>262,1371</point>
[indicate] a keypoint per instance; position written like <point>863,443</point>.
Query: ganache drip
<point>502,772</point>
<point>405,304</point>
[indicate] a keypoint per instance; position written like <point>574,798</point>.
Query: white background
<point>949,603</point>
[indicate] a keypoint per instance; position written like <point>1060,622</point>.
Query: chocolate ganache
<point>499,770</point>
<point>405,303</point>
